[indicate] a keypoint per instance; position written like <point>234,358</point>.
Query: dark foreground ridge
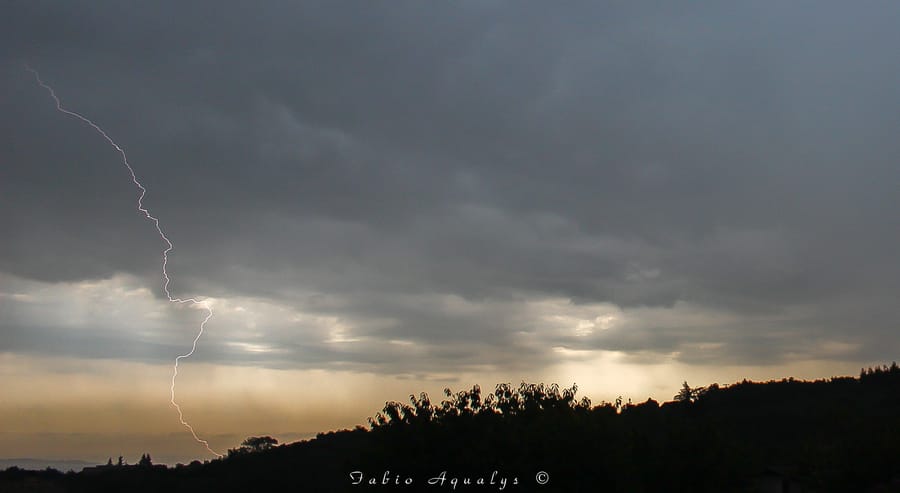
<point>840,434</point>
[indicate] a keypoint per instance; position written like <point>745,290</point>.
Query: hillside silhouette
<point>838,434</point>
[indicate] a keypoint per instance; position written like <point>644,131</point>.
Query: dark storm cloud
<point>742,159</point>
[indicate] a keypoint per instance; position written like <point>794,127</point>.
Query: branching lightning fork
<point>143,210</point>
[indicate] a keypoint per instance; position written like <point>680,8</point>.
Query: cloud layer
<point>421,189</point>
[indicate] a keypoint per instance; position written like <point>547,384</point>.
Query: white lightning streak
<point>140,207</point>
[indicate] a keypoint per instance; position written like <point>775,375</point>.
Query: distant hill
<point>840,434</point>
<point>63,465</point>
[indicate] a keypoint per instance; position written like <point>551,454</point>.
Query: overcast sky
<point>408,194</point>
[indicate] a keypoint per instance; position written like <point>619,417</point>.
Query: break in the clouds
<point>417,188</point>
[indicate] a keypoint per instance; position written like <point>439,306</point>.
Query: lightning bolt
<point>204,304</point>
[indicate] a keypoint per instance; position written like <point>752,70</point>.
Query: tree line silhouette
<point>838,434</point>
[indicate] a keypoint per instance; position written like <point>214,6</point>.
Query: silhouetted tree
<point>253,444</point>
<point>258,444</point>
<point>686,394</point>
<point>145,461</point>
